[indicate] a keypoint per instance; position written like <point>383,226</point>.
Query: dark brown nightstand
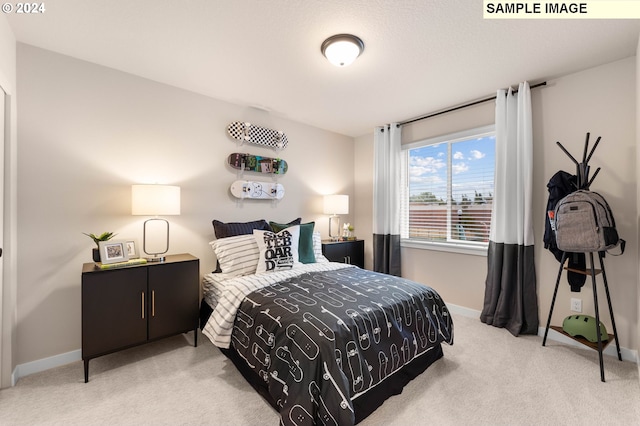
<point>130,306</point>
<point>351,252</point>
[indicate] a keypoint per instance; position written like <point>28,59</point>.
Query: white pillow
<point>277,251</point>
<point>317,248</point>
<point>237,255</point>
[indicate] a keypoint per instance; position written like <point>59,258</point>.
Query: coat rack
<point>583,182</point>
<point>582,169</point>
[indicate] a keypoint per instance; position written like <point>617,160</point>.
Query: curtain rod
<point>467,105</point>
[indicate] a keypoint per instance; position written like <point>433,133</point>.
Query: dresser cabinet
<point>351,252</point>
<point>130,306</point>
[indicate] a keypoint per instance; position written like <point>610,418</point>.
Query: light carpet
<point>488,377</point>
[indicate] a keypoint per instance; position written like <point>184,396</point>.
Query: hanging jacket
<point>560,185</point>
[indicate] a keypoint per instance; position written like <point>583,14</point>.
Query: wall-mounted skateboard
<point>255,189</point>
<point>248,132</point>
<point>258,163</point>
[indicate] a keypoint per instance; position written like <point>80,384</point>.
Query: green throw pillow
<point>305,244</point>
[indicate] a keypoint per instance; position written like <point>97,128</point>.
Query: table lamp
<point>155,200</point>
<point>335,205</point>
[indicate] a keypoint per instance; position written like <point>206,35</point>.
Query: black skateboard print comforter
<point>321,339</point>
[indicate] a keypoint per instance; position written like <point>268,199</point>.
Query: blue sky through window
<point>472,168</point>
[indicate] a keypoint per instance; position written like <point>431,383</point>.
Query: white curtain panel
<point>511,221</point>
<point>386,199</point>
<point>510,294</point>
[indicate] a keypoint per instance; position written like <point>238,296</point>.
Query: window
<point>448,191</point>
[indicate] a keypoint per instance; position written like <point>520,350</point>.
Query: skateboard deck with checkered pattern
<point>254,189</point>
<point>247,132</point>
<point>258,163</point>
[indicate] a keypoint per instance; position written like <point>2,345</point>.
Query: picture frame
<point>133,249</point>
<point>113,251</point>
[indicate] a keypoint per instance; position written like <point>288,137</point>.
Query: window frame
<point>453,246</point>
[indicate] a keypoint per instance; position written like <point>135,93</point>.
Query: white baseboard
<point>461,310</point>
<point>627,354</point>
<point>32,367</point>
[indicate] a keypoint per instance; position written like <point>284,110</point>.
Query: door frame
<point>8,275</point>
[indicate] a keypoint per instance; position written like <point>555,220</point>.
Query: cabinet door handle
<point>153,303</point>
<point>142,310</point>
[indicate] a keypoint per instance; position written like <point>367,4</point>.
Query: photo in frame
<point>113,251</point>
<point>132,249</point>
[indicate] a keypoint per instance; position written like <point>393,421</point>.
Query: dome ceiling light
<point>342,49</point>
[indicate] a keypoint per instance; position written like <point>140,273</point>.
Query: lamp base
<point>331,236</point>
<point>155,254</point>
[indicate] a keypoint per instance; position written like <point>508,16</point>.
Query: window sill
<point>460,248</point>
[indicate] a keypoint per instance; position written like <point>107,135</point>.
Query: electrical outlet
<point>576,305</point>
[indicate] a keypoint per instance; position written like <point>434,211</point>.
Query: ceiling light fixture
<point>342,49</point>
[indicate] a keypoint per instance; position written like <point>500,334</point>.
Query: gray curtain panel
<point>510,299</point>
<point>386,254</point>
<point>511,280</point>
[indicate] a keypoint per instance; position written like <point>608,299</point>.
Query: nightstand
<point>351,252</point>
<point>134,305</point>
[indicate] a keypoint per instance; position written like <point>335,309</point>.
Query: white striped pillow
<point>317,248</point>
<point>237,255</point>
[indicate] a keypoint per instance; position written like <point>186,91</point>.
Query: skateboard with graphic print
<point>258,163</point>
<point>254,189</point>
<point>247,132</point>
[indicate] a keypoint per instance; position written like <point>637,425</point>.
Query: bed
<point>323,342</point>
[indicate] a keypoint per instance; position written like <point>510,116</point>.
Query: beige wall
<point>8,285</point>
<point>599,100</point>
<point>637,235</point>
<point>363,181</point>
<point>88,132</point>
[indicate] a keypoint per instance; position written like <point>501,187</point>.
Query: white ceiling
<point>420,55</point>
